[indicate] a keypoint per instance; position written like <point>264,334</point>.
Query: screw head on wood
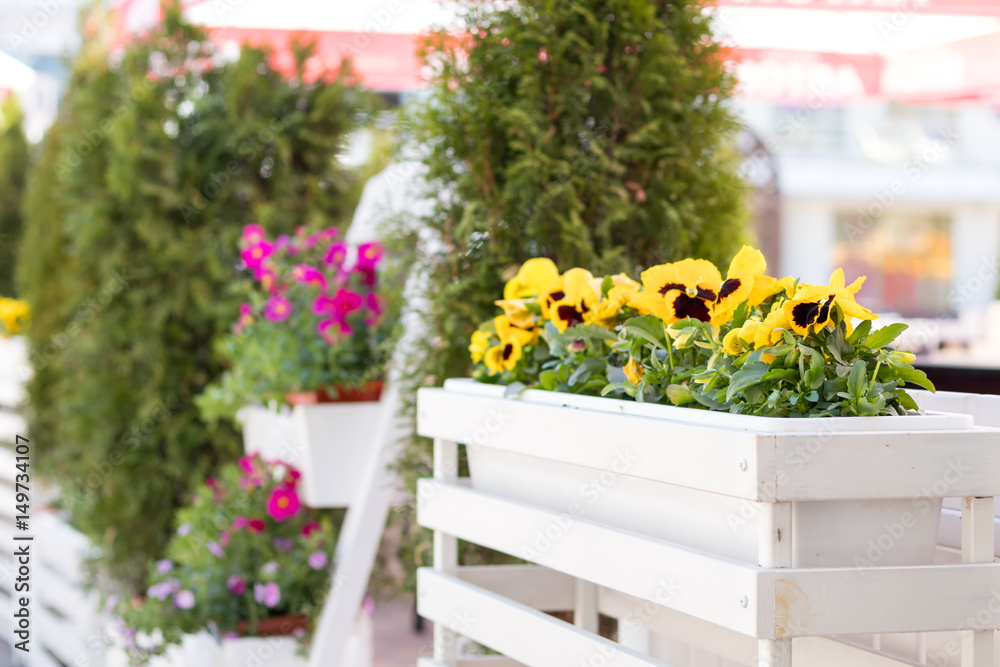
<point>744,602</point>
<point>743,465</point>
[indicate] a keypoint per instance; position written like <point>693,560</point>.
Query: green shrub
<point>157,160</point>
<point>14,157</point>
<point>594,132</point>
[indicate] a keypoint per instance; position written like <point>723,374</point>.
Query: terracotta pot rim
<point>371,391</point>
<point>274,626</point>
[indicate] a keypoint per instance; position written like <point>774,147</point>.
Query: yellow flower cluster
<point>13,315</point>
<point>690,288</point>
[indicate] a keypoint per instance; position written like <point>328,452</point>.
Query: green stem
<point>878,364</point>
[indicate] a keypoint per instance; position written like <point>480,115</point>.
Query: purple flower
<point>278,308</point>
<point>164,589</point>
<point>270,567</point>
<point>267,594</point>
<point>283,543</point>
<point>237,585</point>
<point>184,530</point>
<point>318,560</point>
<point>164,566</point>
<point>184,600</point>
<point>216,549</point>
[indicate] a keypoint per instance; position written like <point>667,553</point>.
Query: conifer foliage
<point>14,157</point>
<point>158,159</point>
<point>594,132</point>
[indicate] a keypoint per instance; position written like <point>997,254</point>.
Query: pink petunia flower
<point>237,585</point>
<point>336,255</point>
<point>310,528</point>
<point>310,275</point>
<point>254,255</point>
<point>184,600</point>
<point>256,526</point>
<point>253,234</point>
<point>369,255</point>
<point>332,328</point>
<point>239,523</point>
<point>267,594</point>
<point>318,560</point>
<point>330,233</point>
<point>283,503</point>
<point>249,463</point>
<point>224,538</point>
<point>278,308</point>
<point>376,308</point>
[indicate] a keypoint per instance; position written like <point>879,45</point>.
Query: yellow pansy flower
<point>731,343</point>
<point>748,265</point>
<point>13,314</point>
<point>569,299</point>
<point>811,307</point>
<point>480,343</point>
<point>517,311</point>
<point>531,278</point>
<point>622,294</point>
<point>673,292</point>
<point>634,371</point>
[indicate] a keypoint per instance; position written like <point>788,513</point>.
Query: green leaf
<point>514,389</point>
<point>860,333</point>
<point>857,380</point>
<point>915,376</point>
<point>749,375</point>
<point>906,400</point>
<point>884,336</point>
<point>649,328</point>
<point>590,332</point>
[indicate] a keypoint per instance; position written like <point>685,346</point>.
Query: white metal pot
<point>827,533</point>
<point>327,442</point>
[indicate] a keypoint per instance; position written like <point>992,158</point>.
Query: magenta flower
<point>283,241</point>
<point>283,503</point>
<point>237,585</point>
<point>369,255</point>
<point>278,308</point>
<point>325,329</point>
<point>256,526</point>
<point>267,277</point>
<point>267,594</point>
<point>336,255</point>
<point>216,549</point>
<point>310,275</point>
<point>310,528</point>
<point>249,463</point>
<point>184,600</point>
<point>224,538</point>
<point>318,560</point>
<point>254,256</point>
<point>253,234</point>
<point>239,523</point>
<point>376,308</point>
<point>330,233</point>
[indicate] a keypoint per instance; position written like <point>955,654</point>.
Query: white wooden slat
<point>950,532</point>
<point>526,635</point>
<point>734,646</point>
<point>68,598</point>
<point>58,636</point>
<point>39,657</point>
<point>445,548</point>
<point>11,426</point>
<point>531,585</point>
<point>775,551</point>
<point>473,661</point>
<point>977,547</point>
<point>585,614</point>
<point>704,586</point>
<point>834,601</point>
<point>879,465</point>
<point>659,450</point>
<point>62,547</point>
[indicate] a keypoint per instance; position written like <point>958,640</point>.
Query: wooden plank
<point>835,601</point>
<point>473,661</point>
<point>585,606</point>
<point>950,532</point>
<point>60,637</point>
<point>827,652</point>
<point>445,548</point>
<point>723,461</point>
<point>691,581</point>
<point>531,585</point>
<point>884,465</point>
<point>977,547</point>
<point>775,551</point>
<point>526,635</point>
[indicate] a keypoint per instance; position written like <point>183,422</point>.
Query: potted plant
<point>307,356</point>
<point>711,359</point>
<point>249,564</point>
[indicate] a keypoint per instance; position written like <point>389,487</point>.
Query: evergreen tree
<point>594,132</point>
<point>157,160</point>
<point>14,156</point>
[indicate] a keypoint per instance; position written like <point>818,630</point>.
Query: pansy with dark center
<point>677,291</point>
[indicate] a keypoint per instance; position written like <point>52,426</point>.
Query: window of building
<point>906,256</point>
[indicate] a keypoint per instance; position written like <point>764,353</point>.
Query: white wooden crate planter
<point>328,442</point>
<point>772,529</point>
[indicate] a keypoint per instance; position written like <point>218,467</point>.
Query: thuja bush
<point>14,156</point>
<point>159,157</point>
<point>593,132</point>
